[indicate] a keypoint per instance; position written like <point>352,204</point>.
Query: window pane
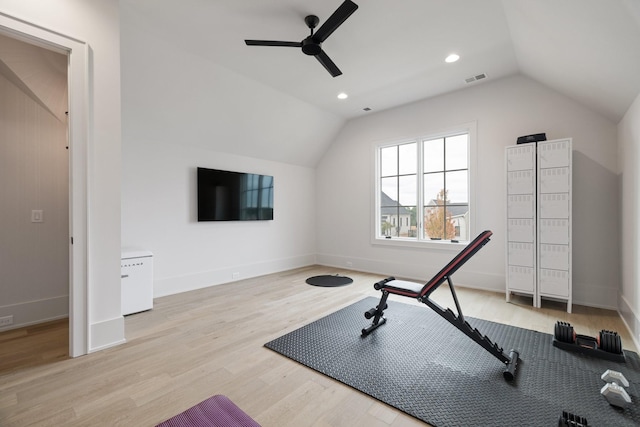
<point>389,161</point>
<point>388,226</point>
<point>411,221</point>
<point>457,186</point>
<point>389,187</point>
<point>460,219</point>
<point>456,154</point>
<point>433,186</point>
<point>438,223</point>
<point>408,158</point>
<point>408,190</point>
<point>433,155</point>
<point>405,221</point>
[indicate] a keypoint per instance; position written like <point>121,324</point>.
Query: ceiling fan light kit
<point>312,45</point>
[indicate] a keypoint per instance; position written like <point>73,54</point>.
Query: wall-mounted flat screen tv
<point>234,196</point>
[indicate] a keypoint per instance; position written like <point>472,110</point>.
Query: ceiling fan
<point>312,45</point>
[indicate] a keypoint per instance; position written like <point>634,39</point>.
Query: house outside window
<point>423,188</point>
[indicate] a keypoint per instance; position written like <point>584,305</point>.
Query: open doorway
<point>34,189</point>
<point>77,55</point>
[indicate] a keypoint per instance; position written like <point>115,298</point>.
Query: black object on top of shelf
<point>532,138</point>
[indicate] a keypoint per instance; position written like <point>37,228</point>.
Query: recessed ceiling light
<point>342,95</point>
<point>452,58</point>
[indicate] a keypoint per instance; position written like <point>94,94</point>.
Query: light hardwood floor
<point>210,341</point>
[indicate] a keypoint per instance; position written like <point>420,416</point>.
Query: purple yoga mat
<point>216,411</point>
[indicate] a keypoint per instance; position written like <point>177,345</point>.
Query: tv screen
<point>234,196</point>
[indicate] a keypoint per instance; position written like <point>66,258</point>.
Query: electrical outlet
<point>349,264</point>
<point>235,275</point>
<point>6,320</point>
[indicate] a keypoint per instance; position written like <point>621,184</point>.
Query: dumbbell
<point>614,390</point>
<point>567,419</point>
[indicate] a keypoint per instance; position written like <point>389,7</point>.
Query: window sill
<point>443,245</point>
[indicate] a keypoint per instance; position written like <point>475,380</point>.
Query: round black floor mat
<point>329,281</point>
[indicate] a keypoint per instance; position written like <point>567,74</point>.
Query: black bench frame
<point>412,290</point>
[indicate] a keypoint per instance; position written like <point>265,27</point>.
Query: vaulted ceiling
<point>392,52</point>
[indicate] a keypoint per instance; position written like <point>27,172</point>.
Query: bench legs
<point>377,313</point>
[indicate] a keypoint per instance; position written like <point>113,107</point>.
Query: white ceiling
<point>392,52</point>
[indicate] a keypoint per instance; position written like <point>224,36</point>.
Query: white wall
<point>502,110</point>
<point>96,23</point>
<point>629,151</point>
<point>34,174</point>
<point>182,111</point>
<point>159,214</point>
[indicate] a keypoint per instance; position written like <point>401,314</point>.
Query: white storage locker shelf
<point>521,254</point>
<point>555,231</point>
<point>554,205</point>
<point>554,180</point>
<point>521,206</point>
<point>520,157</point>
<point>521,229</point>
<point>554,283</point>
<point>539,217</point>
<point>521,220</point>
<point>521,279</point>
<point>521,182</point>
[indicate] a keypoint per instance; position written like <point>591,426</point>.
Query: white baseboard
<point>105,334</point>
<point>416,273</point>
<point>34,312</point>
<point>630,319</point>
<point>594,295</point>
<point>590,295</point>
<point>189,282</point>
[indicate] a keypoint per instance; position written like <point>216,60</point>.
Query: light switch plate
<point>37,215</point>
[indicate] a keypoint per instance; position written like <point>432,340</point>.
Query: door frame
<point>78,78</point>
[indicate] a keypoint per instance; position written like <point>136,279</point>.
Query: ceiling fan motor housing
<point>311,47</point>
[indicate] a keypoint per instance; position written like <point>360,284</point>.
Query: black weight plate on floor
<point>607,342</point>
<point>618,342</point>
<point>556,331</point>
<point>566,332</point>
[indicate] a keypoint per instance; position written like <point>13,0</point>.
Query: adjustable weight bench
<point>421,292</point>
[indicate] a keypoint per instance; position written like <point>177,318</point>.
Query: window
<point>422,188</point>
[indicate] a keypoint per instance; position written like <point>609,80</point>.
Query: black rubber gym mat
<point>422,365</point>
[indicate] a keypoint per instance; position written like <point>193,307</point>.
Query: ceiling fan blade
<point>272,43</point>
<point>335,20</point>
<point>328,64</point>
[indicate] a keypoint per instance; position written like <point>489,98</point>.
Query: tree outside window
<point>438,222</point>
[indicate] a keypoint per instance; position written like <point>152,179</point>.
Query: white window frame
<point>376,238</point>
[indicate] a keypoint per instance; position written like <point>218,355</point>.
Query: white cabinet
<point>554,220</point>
<point>538,242</point>
<point>136,281</point>
<point>521,220</point>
